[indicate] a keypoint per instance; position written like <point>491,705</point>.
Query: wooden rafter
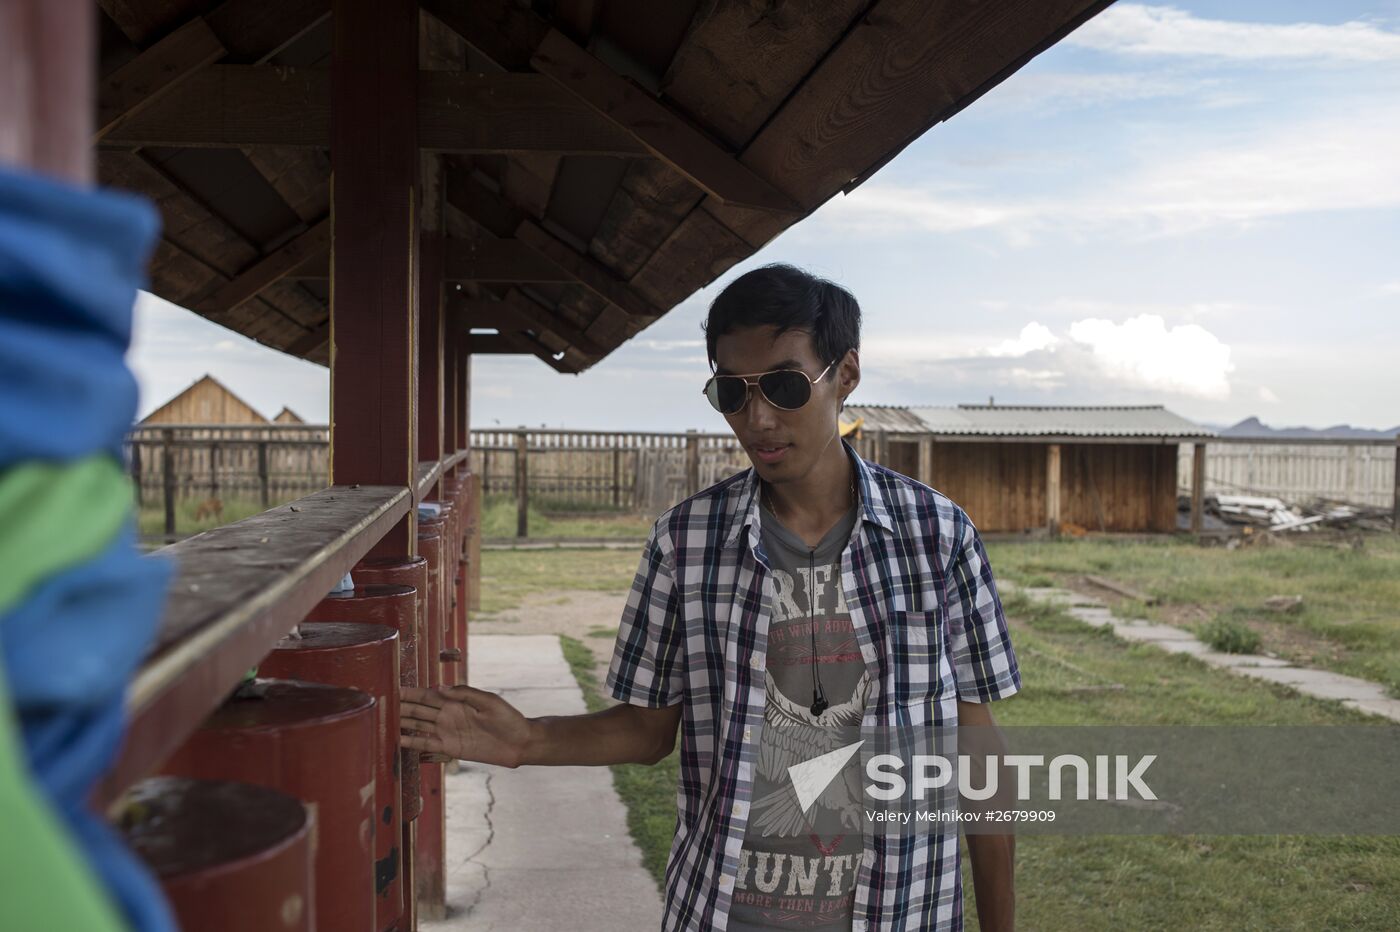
<point>516,343</point>
<point>586,271</point>
<point>469,313</point>
<point>311,245</point>
<point>500,260</point>
<point>665,133</point>
<point>142,81</point>
<point>536,317</point>
<point>224,106</point>
<point>500,217</point>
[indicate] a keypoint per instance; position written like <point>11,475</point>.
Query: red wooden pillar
<point>450,396</point>
<point>374,276</point>
<point>47,53</point>
<point>430,365</point>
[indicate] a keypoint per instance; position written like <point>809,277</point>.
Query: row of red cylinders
<point>320,725</point>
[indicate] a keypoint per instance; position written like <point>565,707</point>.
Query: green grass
<point>1077,674</point>
<point>151,519</point>
<point>1198,882</point>
<point>498,519</point>
<point>1229,636</point>
<point>1349,621</point>
<point>648,792</point>
<point>508,576</point>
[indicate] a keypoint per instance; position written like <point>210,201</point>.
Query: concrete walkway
<point>539,848</point>
<point>1351,691</point>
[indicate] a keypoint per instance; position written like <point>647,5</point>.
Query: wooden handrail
<point>237,590</point>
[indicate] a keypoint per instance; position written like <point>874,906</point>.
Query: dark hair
<point>790,299</point>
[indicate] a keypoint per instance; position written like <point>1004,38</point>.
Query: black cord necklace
<point>819,703</point>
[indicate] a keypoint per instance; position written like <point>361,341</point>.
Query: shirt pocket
<point>916,653</point>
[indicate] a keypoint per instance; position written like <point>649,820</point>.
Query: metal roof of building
<point>1030,420</point>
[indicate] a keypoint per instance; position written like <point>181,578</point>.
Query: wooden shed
<point>536,178</point>
<point>1017,468</point>
<point>207,401</point>
<point>288,416</point>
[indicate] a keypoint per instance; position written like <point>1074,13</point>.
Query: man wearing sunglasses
<point>772,616</point>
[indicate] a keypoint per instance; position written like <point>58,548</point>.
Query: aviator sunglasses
<point>786,389</point>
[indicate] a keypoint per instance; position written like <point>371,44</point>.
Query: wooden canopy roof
<point>592,166</point>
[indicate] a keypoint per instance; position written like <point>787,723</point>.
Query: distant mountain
<point>1253,427</point>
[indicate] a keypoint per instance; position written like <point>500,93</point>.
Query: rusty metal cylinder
<point>402,571</point>
<point>361,656</point>
<point>229,856</point>
<point>314,742</point>
<point>431,546</point>
<point>453,670</point>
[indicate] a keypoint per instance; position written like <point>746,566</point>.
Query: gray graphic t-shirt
<point>797,869</point>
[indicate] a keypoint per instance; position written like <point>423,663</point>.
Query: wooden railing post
<point>522,484</point>
<point>692,462</point>
<point>137,491</point>
<point>617,473</point>
<point>264,484</point>
<point>167,468</point>
<point>1198,487</point>
<point>213,470</point>
<point>474,546</point>
<point>1395,507</point>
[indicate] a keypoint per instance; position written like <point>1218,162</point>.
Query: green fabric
<point>44,881</point>
<point>54,516</point>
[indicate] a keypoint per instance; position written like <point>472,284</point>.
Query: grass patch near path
<point>507,576</point>
<point>1349,620</point>
<point>498,519</point>
<point>150,520</point>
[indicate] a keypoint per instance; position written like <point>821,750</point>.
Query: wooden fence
<point>647,472</point>
<point>1361,472</point>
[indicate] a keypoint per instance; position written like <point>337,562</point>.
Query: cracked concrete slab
<point>539,848</point>
<point>1355,693</point>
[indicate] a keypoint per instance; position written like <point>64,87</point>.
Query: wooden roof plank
<point>301,177</point>
<point>735,68</point>
<point>260,105</point>
<point>271,268</point>
<point>665,134</point>
<point>503,31</point>
<point>154,72</point>
<point>905,66</point>
<point>499,260</point>
<point>588,272</point>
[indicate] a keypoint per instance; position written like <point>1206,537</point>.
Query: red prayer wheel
<point>229,856</point>
<point>430,829</point>
<point>361,656</point>
<point>453,669</point>
<point>317,743</point>
<point>402,571</point>
<point>430,547</point>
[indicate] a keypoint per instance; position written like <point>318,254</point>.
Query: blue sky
<point>1195,205</point>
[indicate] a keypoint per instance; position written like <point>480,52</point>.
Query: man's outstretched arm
<point>473,724</point>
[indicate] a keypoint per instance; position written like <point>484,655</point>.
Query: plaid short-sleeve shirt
<point>930,628</point>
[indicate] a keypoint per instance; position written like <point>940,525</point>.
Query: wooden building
<point>546,179</point>
<point>288,416</point>
<point>1020,468</point>
<point>207,401</point>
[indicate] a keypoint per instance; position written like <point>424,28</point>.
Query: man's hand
<point>993,857</point>
<point>464,723</point>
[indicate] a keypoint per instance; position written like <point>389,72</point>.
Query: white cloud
<point>1143,352</point>
<point>1390,288</point>
<point>1053,92</point>
<point>1034,336</point>
<point>1140,29</point>
<point>1267,396</point>
<point>1180,187</point>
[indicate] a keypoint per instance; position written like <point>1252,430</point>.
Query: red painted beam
<point>374,155</point>
<point>430,365</point>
